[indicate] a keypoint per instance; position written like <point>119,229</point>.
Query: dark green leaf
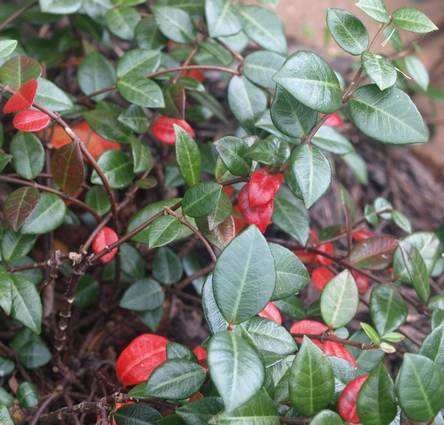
<point>188,156</point>
<point>4,157</point>
<point>167,267</point>
<point>138,62</point>
<point>381,71</point>
<point>141,91</point>
<point>51,97</point>
<point>200,411</point>
<point>326,417</point>
<point>28,156</point>
<point>174,98</point>
<point>67,167</point>
<point>98,200</point>
<point>433,346</point>
<point>20,205</point>
<point>271,151</point>
<point>122,21</point>
<point>414,20</point>
<point>105,124</point>
<point>134,117</point>
<point>174,350</point>
<point>145,294</point>
<point>260,66</point>
<point>175,23</point>
<point>117,169</point>
<point>374,253</point>
<point>31,351</point>
<point>136,414</point>
<point>163,230</point>
<point>327,138</point>
<point>87,291</point>
<point>27,395</point>
<point>201,199</point>
<point>15,245</point>
<point>141,156</point>
<point>222,18</point>
<point>148,35</point>
<point>5,292</point>
<point>365,359</point>
<point>213,316</point>
<point>19,70</point>
<point>232,151</point>
<point>220,213</point>
<point>6,398</point>
<point>357,165</point>
<point>151,319</point>
<point>375,9</point>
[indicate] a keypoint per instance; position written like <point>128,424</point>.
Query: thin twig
<point>19,12</point>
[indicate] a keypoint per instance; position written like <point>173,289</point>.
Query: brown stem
<point>302,421</point>
<point>323,337</point>
<point>19,12</point>
<point>184,283</point>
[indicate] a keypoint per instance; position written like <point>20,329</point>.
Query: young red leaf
<point>331,348</point>
<point>327,248</point>
<point>333,120</point>
<point>103,239</point>
<point>348,398</point>
<point>360,235</point>
<point>196,74</point>
<point>320,277</point>
<point>201,355</point>
<point>23,98</point>
<point>361,281</point>
<point>263,187</point>
<point>259,216</point>
<point>271,312</point>
<point>140,358</point>
<point>163,129</point>
<point>31,120</point>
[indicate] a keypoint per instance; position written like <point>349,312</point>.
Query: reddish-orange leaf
<point>360,235</point>
<point>195,397</point>
<point>271,312</point>
<point>196,74</point>
<point>263,187</point>
<point>23,98</point>
<point>308,327</point>
<point>140,358</point>
<point>320,277</point>
<point>347,400</point>
<point>331,348</point>
<point>327,248</point>
<point>163,129</point>
<point>306,257</point>
<point>239,222</point>
<point>260,216</point>
<point>103,239</point>
<point>31,120</point>
<point>201,355</point>
<point>361,281</point>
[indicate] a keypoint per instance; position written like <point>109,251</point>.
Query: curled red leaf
<point>103,239</point>
<point>163,129</point>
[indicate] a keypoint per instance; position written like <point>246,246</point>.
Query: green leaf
<point>28,155</point>
<point>222,18</point>
<point>380,70</point>
<point>138,62</point>
<point>232,151</point>
<point>327,138</point>
<point>402,221</point>
<point>290,215</point>
<point>290,116</point>
<point>416,269</point>
<point>4,157</point>
<point>15,245</point>
<point>433,346</point>
<point>291,307</point>
<point>31,351</point>
<point>374,253</point>
<point>5,418</point>
<point>200,411</point>
<point>419,388</point>
<point>122,21</point>
<point>387,116</point>
<point>141,156</point>
<point>244,276</point>
<point>236,369</point>
<point>193,7</point>
<point>67,167</point>
<point>201,199</point>
<point>259,67</point>
<point>105,124</point>
<point>347,30</point>
<point>117,169</point>
<point>163,230</point>
<point>52,97</point>
<point>417,71</point>
<point>221,212</point>
<point>358,166</point>
<point>141,91</point>
<point>174,350</point>
<point>312,171</point>
<point>326,417</point>
<point>95,73</point>
<point>48,215</point>
<point>87,291</point>
<point>339,300</point>
<point>312,380</point>
<point>265,28</point>
<point>411,19</point>
<point>148,35</point>
<point>60,6</point>
<point>375,9</point>
<point>216,322</point>
<point>7,47</point>
<point>376,404</point>
<point>247,102</point>
<point>20,205</point>
<point>145,294</point>
<point>151,319</point>
<point>167,268</point>
<point>311,81</point>
<point>19,70</point>
<point>6,399</point>
<point>136,414</point>
<point>175,23</point>
<point>134,117</point>
<point>5,293</point>
<point>98,200</point>
<point>387,309</point>
<point>291,274</point>
<point>188,156</point>
<point>27,395</point>
<point>272,151</point>
<point>174,98</point>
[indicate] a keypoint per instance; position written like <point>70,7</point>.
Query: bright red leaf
<point>361,281</point>
<point>327,248</point>
<point>163,129</point>
<point>260,216</point>
<point>271,312</point>
<point>140,358</point>
<point>360,235</point>
<point>320,277</point>
<point>331,348</point>
<point>103,239</point>
<point>201,355</point>
<point>31,120</point>
<point>333,120</point>
<point>306,257</point>
<point>263,187</point>
<point>196,74</point>
<point>23,98</point>
<point>348,400</point>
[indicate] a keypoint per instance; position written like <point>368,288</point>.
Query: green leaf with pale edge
<point>371,333</point>
<point>326,417</point>
<point>20,205</point>
<point>380,70</point>
<point>52,97</point>
<point>417,70</point>
<point>419,388</point>
<point>134,117</point>
<point>388,116</point>
<point>7,47</point>
<point>311,81</point>
<point>213,316</point>
<point>188,156</point>
<point>272,151</point>
<point>14,245</point>
<point>347,30</point>
<point>19,70</point>
<point>259,67</point>
<point>201,199</point>
<point>222,19</point>
<point>117,169</point>
<point>232,151</point>
<point>141,156</point>
<point>5,292</point>
<point>200,411</point>
<point>163,230</point>
<point>244,276</point>
<point>138,62</point>
<point>327,138</point>
<point>416,269</point>
<point>402,221</point>
<point>221,212</point>
<point>5,418</point>
<point>414,20</point>
<point>312,171</point>
<point>105,124</point>
<point>375,9</point>
<point>136,414</point>
<point>122,21</point>
<point>312,381</point>
<point>339,300</point>
<point>175,23</point>
<point>236,369</point>
<point>141,91</point>
<point>387,309</point>
<point>376,404</point>
<point>97,199</point>
<point>145,294</point>
<point>60,6</point>
<point>67,167</point>
<point>374,253</point>
<point>28,155</point>
<point>433,346</point>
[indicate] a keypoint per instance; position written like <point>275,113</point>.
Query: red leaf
<point>361,281</point>
<point>201,355</point>
<point>308,327</point>
<point>163,129</point>
<point>374,253</point>
<point>271,312</point>
<point>321,276</point>
<point>259,216</point>
<point>23,98</point>
<point>31,120</point>
<point>327,248</point>
<point>333,120</point>
<point>263,187</point>
<point>196,74</point>
<point>314,236</point>
<point>239,222</point>
<point>347,400</point>
<point>306,257</point>
<point>140,358</point>
<point>360,235</point>
<point>103,239</point>
<point>331,348</point>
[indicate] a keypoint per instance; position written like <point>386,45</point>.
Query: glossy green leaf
<point>375,9</point>
<point>60,6</point>
<point>117,169</point>
<point>138,62</point>
<point>265,28</point>
<point>213,316</point>
<point>201,199</point>
<point>48,215</point>
<point>347,30</point>
<point>141,91</point>
<point>414,20</point>
<point>376,404</point>
<point>4,158</point>
<point>95,73</point>
<point>419,388</point>
<point>327,138</point>
<point>222,18</point>
<point>136,414</point>
<point>31,351</point>
<point>247,102</point>
<point>311,81</point>
<point>387,116</point>
<point>141,156</point>
<point>134,117</point>
<point>433,346</point>
<point>122,21</point>
<point>98,200</point>
<point>244,276</point>
<point>162,231</point>
<point>20,205</point>
<point>357,165</point>
<point>326,417</point>
<point>14,245</point>
<point>291,307</point>
<point>67,167</point>
<point>312,171</point>
<point>105,124</point>
<point>19,70</point>
<point>374,253</point>
<point>7,47</point>
<point>402,221</point>
<point>272,151</point>
<point>175,23</point>
<point>236,369</point>
<point>339,300</point>
<point>7,400</point>
<point>87,291</point>
<point>151,319</point>
<point>27,395</point>
<point>290,116</point>
<point>232,151</point>
<point>371,333</point>
<point>387,309</point>
<point>174,350</point>
<point>174,99</point>
<point>365,359</point>
<point>221,211</point>
<point>417,71</point>
<point>259,67</point>
<point>148,35</point>
<point>193,7</point>
<point>312,380</point>
<point>52,97</point>
<point>290,215</point>
<point>167,268</point>
<point>380,70</point>
<point>28,156</point>
<point>5,292</point>
<point>145,294</point>
<point>200,411</point>
<point>188,156</point>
